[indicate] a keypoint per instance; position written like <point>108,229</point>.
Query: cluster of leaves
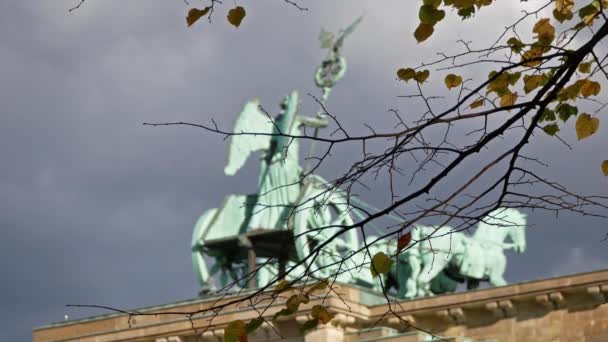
<point>382,263</point>
<point>238,330</point>
<point>533,59</point>
<point>235,16</point>
<point>430,14</point>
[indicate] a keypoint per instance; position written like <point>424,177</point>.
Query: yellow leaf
<point>530,57</point>
<point>508,99</point>
<point>423,32</point>
<point>320,286</point>
<point>543,28</point>
<point>477,103</point>
<point>605,167</point>
<point>533,82</point>
<point>235,331</point>
<point>570,92</point>
<point>195,14</point>
<point>481,3</point>
<point>563,10</point>
<point>236,15</point>
<point>293,303</point>
<point>564,5</point>
<point>586,126</point>
<point>589,88</point>
<point>320,313</point>
<point>452,81</point>
<point>282,286</point>
<point>406,74</point>
<point>421,76</point>
<point>584,68</point>
<point>381,264</point>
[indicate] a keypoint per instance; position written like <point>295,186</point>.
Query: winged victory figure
<point>280,171</point>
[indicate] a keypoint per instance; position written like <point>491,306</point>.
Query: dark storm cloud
<point>96,208</point>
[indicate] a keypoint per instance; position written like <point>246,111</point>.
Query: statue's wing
<point>251,120</point>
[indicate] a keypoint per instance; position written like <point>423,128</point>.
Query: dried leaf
<point>477,103</point>
<point>293,303</point>
<point>589,88</point>
<point>404,241</point>
<point>584,68</point>
<point>195,14</point>
<point>235,331</point>
<point>605,167</point>
<point>235,16</point>
<point>423,32</point>
<point>320,286</point>
<point>282,286</point>
<point>253,325</point>
<point>406,74</point>
<point>421,76</point>
<point>321,313</point>
<point>308,325</point>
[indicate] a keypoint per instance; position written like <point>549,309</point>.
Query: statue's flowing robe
<point>278,184</point>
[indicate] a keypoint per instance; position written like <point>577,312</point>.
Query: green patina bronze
<point>250,240</point>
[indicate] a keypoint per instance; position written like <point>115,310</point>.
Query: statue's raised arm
<point>251,121</point>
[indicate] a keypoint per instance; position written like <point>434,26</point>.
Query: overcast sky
<point>97,209</point>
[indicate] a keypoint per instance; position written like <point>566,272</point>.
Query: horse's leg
<point>429,271</point>
<point>497,272</point>
<point>411,283</point>
<point>198,262</point>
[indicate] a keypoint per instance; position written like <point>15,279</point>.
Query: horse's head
<point>504,223</point>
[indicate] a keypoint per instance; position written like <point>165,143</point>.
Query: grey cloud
<point>96,208</point>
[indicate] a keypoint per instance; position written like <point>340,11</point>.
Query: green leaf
<point>547,115</point>
<point>513,77</point>
<point>551,129</point>
<point>381,264</point>
<point>587,10</point>
<point>516,45</point>
<point>565,111</point>
<point>326,39</point>
<point>466,13</point>
<point>434,3</point>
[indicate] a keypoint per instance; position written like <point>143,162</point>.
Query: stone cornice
<point>581,290</point>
